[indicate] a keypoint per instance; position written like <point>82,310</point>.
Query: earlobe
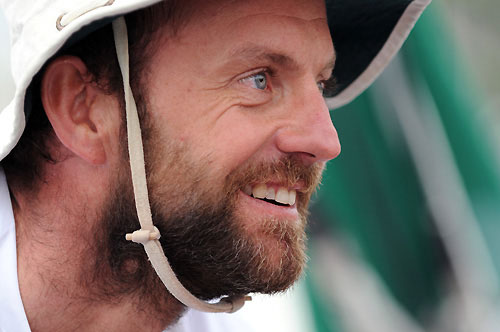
<point>68,97</point>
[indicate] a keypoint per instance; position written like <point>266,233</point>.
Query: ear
<point>69,99</point>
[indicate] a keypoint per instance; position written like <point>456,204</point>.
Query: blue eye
<point>257,81</point>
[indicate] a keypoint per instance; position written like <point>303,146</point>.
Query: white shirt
<point>196,321</point>
<point>12,315</point>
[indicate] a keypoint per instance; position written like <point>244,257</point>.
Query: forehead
<point>214,12</point>
<point>305,9</point>
<point>226,25</point>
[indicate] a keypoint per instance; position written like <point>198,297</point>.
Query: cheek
<point>215,130</point>
<point>237,138</point>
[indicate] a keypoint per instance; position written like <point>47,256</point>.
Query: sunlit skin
<point>238,86</point>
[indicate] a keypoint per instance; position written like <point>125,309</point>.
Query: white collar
<point>12,315</point>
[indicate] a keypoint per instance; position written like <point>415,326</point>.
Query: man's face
<point>235,114</point>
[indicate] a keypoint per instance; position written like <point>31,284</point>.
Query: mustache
<point>287,171</point>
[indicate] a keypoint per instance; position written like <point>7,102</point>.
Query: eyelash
<point>330,87</point>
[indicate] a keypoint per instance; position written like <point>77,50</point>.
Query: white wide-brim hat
<point>366,35</point>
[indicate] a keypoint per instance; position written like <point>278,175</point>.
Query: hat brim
<point>366,35</point>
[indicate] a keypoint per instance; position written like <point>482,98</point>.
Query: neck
<point>65,283</point>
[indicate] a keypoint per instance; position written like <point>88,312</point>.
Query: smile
<point>274,194</point>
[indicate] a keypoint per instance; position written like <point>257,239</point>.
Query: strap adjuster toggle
<point>143,235</point>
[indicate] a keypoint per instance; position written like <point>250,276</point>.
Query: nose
<point>310,133</point>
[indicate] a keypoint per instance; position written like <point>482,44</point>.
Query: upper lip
<point>299,186</point>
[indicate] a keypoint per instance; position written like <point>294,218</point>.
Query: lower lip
<point>261,207</point>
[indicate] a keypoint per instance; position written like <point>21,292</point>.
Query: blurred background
<point>404,230</point>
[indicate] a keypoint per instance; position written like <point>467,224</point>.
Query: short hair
<point>24,164</point>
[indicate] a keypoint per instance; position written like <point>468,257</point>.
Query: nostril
<point>308,145</point>
<point>310,155</point>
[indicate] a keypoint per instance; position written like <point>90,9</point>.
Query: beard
<point>211,248</point>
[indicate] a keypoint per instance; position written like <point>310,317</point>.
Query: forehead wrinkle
<point>262,53</point>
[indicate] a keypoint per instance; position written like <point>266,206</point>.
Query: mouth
<point>272,193</point>
<point>259,202</point>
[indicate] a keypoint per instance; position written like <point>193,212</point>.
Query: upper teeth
<point>282,195</point>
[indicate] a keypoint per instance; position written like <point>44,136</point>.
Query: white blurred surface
<point>288,312</point>
<point>6,81</point>
<point>281,313</point>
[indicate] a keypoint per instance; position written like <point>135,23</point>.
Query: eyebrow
<point>283,60</point>
<point>262,53</point>
<point>331,64</point>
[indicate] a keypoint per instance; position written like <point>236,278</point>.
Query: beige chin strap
<point>148,235</point>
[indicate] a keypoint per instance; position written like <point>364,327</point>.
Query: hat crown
<point>34,35</point>
<point>35,38</point>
